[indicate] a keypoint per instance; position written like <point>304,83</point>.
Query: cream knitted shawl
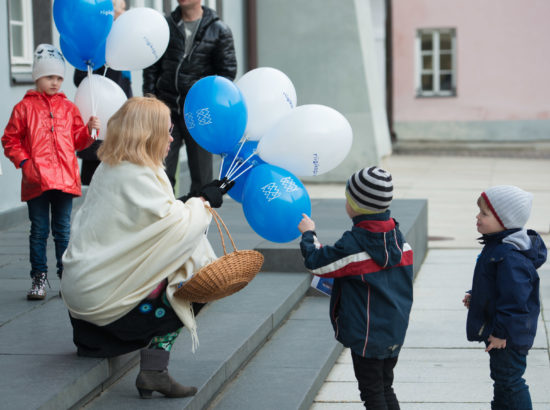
<point>129,235</point>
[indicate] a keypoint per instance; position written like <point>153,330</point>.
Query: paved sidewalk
<point>438,368</point>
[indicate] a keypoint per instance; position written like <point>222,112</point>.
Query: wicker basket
<point>223,277</point>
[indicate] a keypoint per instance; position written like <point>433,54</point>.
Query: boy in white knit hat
<point>504,302</point>
<point>371,298</point>
<point>41,137</point>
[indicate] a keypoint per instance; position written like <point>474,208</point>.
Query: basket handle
<point>218,219</point>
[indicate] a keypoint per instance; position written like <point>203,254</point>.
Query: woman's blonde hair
<point>137,133</point>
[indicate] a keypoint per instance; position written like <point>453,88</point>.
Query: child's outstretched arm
<point>320,260</point>
<point>306,224</point>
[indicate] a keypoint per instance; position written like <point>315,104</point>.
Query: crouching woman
<point>131,243</point>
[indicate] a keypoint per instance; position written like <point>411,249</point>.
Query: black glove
<point>214,191</point>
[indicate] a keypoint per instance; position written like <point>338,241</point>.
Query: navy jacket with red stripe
<point>372,295</point>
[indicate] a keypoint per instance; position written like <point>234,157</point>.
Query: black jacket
<point>212,53</point>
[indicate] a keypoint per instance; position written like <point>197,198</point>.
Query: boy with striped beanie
<point>504,303</point>
<point>369,191</point>
<point>371,297</point>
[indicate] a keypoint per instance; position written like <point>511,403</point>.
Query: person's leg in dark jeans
<point>172,159</point>
<point>62,205</point>
<point>371,376</point>
<point>39,215</point>
<point>510,390</point>
<point>199,161</point>
<point>87,170</point>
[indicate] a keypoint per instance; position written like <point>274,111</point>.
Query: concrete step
<point>41,370</point>
<point>467,148</point>
<point>40,367</point>
<point>231,330</point>
<point>291,367</point>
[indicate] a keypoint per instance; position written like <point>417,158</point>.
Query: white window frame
<point>436,71</point>
<point>22,64</point>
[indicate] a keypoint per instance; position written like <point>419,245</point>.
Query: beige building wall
<point>327,49</point>
<point>502,66</point>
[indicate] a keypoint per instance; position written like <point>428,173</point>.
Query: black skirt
<point>133,331</point>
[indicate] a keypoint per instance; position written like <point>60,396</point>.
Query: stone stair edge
<point>229,366</point>
<point>255,372</point>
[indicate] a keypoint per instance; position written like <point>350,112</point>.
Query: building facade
<point>471,70</point>
<point>332,50</point>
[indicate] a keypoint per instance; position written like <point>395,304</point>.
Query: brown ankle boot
<point>154,376</point>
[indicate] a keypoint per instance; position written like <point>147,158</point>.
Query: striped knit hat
<point>369,190</point>
<point>510,205</point>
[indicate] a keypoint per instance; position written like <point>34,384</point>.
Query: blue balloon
<point>248,148</point>
<point>84,26</point>
<point>273,203</point>
<point>215,114</point>
<point>74,57</point>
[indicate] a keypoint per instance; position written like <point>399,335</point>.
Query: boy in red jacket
<point>41,137</point>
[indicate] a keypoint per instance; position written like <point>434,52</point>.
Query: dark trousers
<point>198,159</point>
<point>510,391</point>
<point>375,378</point>
<point>87,170</point>
<point>61,205</point>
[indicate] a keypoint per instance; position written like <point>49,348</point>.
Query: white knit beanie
<point>510,205</point>
<point>370,190</point>
<point>47,61</point>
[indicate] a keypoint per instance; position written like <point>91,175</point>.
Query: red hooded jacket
<point>46,131</point>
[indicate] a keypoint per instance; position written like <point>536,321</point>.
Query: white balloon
<point>138,38</point>
<point>107,95</point>
<point>269,95</point>
<point>310,140</point>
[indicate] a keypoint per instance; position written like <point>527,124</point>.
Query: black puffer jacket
<point>212,53</point>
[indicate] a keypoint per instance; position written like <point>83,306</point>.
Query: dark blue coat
<point>372,293</point>
<point>505,290</point>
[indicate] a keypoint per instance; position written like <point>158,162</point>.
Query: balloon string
<point>90,76</point>
<point>94,108</point>
<point>105,70</point>
<point>236,169</point>
<point>230,170</point>
<point>233,179</point>
<point>221,167</point>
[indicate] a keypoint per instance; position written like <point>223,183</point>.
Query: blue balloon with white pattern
<point>215,114</point>
<point>273,203</point>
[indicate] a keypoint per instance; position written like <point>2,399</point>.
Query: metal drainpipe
<point>389,71</point>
